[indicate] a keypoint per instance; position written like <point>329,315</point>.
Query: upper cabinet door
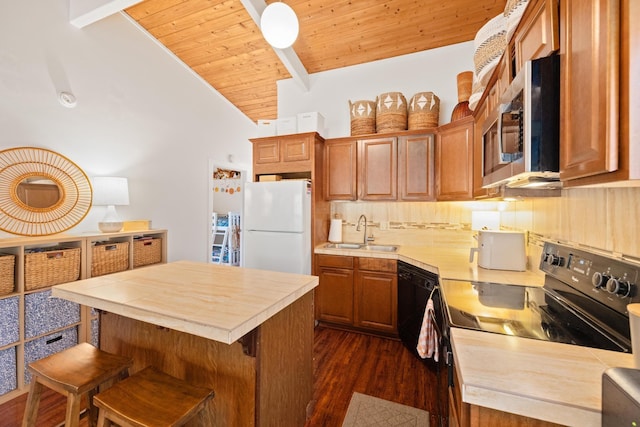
<point>454,161</point>
<point>340,170</point>
<point>589,87</point>
<point>295,149</point>
<point>266,152</point>
<point>377,169</point>
<point>537,34</point>
<point>415,167</point>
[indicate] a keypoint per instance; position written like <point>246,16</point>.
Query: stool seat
<point>151,398</point>
<point>74,372</point>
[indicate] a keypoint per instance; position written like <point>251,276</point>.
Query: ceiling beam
<point>86,12</point>
<point>287,56</point>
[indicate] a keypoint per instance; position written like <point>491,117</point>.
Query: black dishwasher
<point>415,287</point>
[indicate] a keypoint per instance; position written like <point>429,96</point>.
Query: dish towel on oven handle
<point>428,340</point>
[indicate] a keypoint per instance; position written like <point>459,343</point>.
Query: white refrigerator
<point>277,226</point>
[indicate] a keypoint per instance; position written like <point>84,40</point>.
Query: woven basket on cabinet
<point>391,112</point>
<point>51,267</point>
<point>424,111</point>
<point>147,251</point>
<point>363,117</point>
<point>7,270</point>
<point>109,258</point>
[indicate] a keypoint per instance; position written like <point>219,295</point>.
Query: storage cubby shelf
<point>33,325</point>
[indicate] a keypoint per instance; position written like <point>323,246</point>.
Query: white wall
<point>330,92</point>
<point>140,114</point>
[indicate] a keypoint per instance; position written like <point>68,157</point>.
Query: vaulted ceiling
<point>221,42</point>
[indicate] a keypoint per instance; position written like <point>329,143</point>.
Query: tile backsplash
<point>600,218</point>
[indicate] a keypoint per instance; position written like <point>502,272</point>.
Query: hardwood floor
<point>347,362</point>
<point>344,362</point>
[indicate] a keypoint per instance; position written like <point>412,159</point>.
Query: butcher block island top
<point>217,302</point>
<point>247,334</point>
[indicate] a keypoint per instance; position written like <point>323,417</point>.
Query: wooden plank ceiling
<point>220,41</point>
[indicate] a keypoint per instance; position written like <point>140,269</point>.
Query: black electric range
<point>583,301</point>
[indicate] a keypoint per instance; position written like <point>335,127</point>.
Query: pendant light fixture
<point>279,25</point>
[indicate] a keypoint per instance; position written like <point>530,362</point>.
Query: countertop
<point>560,383</point>
<point>217,302</point>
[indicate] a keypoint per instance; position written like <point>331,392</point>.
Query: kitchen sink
<point>343,246</point>
<point>382,248</point>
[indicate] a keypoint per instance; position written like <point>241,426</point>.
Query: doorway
<point>226,194</point>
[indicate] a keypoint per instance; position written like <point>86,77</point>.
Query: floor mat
<point>369,411</point>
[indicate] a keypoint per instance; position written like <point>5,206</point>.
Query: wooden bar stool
<point>151,398</point>
<point>74,372</point>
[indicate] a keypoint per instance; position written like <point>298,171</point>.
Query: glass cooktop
<point>522,311</point>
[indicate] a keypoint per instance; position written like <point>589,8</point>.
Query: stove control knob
<point>552,259</point>
<point>618,287</point>
<point>599,280</point>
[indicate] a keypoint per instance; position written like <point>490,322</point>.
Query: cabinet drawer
<point>8,374</point>
<point>336,261</point>
<point>48,345</point>
<point>43,313</point>
<point>378,264</point>
<point>9,321</point>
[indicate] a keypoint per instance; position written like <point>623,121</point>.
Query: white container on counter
<point>500,250</point>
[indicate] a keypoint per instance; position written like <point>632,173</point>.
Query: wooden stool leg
<point>92,411</point>
<point>72,418</point>
<point>33,401</point>
<point>102,421</point>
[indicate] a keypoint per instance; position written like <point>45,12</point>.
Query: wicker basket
<point>489,45</point>
<point>7,270</point>
<point>424,111</point>
<point>363,117</point>
<point>391,112</point>
<point>109,258</point>
<point>513,11</point>
<point>147,251</point>
<point>51,267</point>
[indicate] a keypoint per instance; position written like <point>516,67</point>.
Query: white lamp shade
<point>279,25</point>
<point>110,191</point>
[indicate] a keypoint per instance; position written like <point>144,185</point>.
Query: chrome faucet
<point>365,239</point>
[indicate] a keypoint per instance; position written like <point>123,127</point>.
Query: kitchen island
<point>248,334</point>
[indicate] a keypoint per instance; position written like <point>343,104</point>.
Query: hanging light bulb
<point>279,25</point>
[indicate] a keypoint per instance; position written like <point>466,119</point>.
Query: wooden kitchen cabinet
<point>377,168</point>
<point>292,148</point>
<point>292,155</point>
<point>334,295</point>
<point>600,109</point>
<point>376,295</point>
<point>398,166</point>
<point>416,177</point>
<point>357,293</point>
<point>537,34</point>
<point>454,160</point>
<point>341,169</point>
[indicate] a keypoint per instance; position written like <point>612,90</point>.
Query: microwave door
<point>510,139</point>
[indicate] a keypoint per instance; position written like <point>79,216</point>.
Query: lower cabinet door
<point>376,301</point>
<point>334,296</point>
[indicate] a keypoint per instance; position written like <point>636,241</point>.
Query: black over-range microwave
<point>521,138</point>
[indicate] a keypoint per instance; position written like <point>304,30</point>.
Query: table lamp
<point>109,192</point>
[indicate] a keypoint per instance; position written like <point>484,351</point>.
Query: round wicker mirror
<point>41,192</point>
